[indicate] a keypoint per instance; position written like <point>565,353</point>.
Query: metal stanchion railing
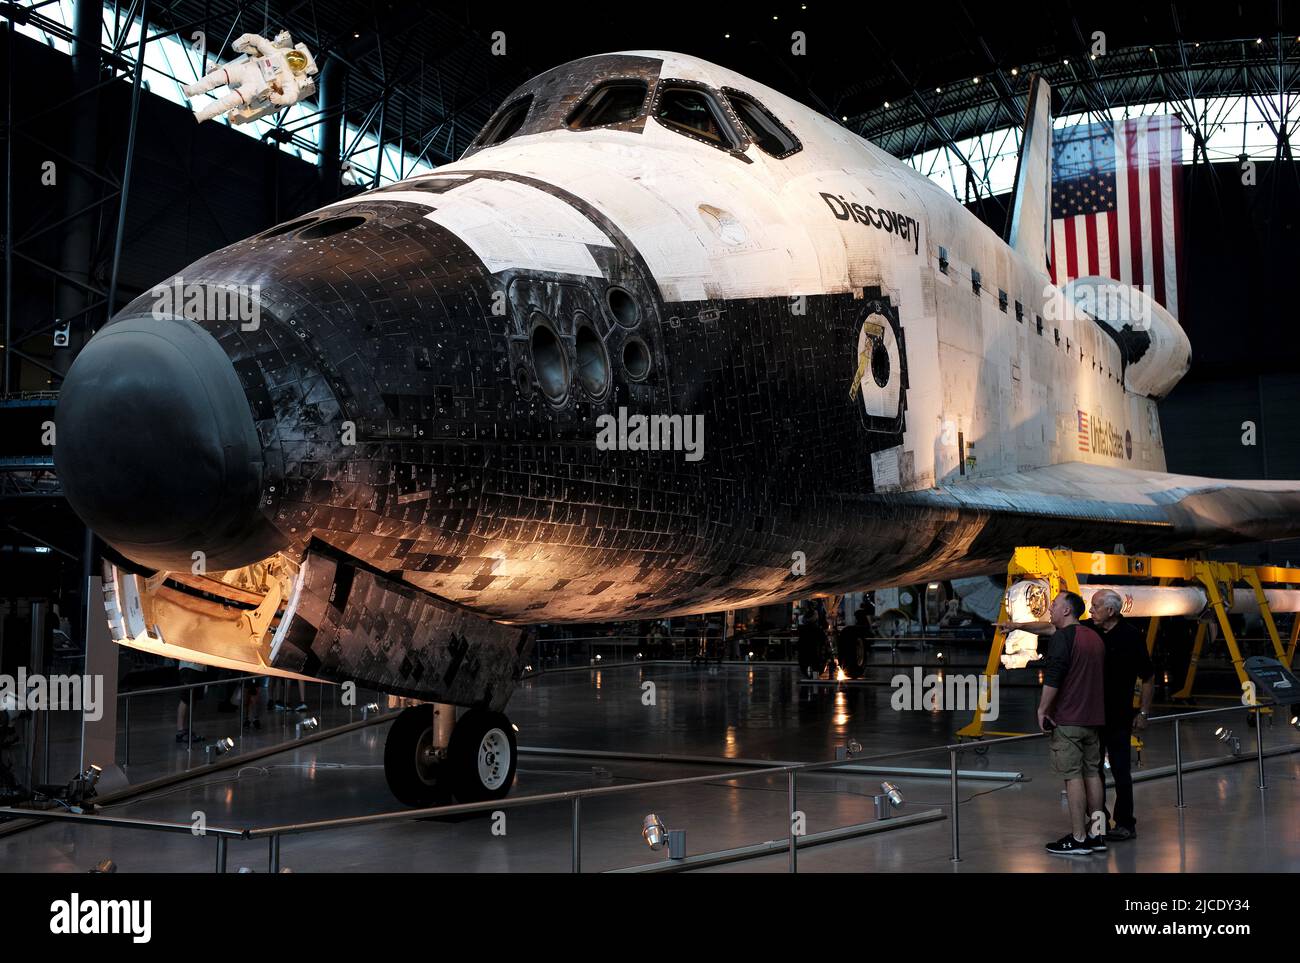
<point>275,833</point>
<point>1178,762</point>
<point>953,776</point>
<point>1259,745</point>
<point>794,838</point>
<point>577,834</point>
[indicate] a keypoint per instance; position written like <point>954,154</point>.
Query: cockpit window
<point>771,136</point>
<point>506,123</point>
<point>611,103</point>
<point>695,113</point>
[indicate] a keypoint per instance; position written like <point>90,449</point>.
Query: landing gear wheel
<point>414,772</point>
<point>851,658</point>
<point>482,756</point>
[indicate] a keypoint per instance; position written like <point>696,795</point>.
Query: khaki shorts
<point>1076,751</point>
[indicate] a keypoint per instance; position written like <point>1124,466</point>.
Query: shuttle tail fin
<point>1029,220</point>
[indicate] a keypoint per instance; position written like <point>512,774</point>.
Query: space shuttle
<point>663,341</point>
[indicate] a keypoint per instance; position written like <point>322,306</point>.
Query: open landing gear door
<point>347,622</point>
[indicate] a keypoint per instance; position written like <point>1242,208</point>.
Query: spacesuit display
<point>268,76</point>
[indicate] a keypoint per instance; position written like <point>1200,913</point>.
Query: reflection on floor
<point>728,711</point>
<point>152,750</point>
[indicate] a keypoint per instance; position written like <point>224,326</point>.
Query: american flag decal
<point>1085,432</point>
<point>1116,204</point>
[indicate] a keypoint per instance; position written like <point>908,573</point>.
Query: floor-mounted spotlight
<point>104,866</point>
<point>1224,735</point>
<point>219,748</point>
<point>656,834</point>
<point>369,709</point>
<point>887,800</point>
<point>1295,722</point>
<point>306,725</point>
<point>82,788</point>
<point>848,752</point>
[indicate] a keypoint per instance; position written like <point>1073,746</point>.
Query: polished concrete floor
<point>723,712</point>
<point>147,747</point>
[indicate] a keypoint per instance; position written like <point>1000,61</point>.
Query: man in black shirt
<point>1126,659</point>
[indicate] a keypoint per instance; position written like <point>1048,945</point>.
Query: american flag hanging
<point>1117,204</point>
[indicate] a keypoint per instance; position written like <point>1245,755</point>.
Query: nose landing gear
<point>431,756</point>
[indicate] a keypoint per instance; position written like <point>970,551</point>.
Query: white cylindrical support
<point>1143,601</point>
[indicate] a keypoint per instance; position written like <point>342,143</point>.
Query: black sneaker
<point>1067,845</point>
<point>1096,843</point>
<point>1121,834</point>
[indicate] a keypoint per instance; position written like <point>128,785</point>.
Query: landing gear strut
<point>431,756</point>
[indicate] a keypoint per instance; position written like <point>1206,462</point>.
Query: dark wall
<point>194,188</point>
<point>1243,264</point>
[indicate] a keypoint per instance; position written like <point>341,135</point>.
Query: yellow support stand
<point>1202,630</point>
<point>1055,565</point>
<point>1061,568</point>
<point>1251,578</point>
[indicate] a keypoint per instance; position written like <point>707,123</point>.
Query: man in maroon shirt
<point>1073,710</point>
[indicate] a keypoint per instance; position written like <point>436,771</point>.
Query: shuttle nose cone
<point>157,450</point>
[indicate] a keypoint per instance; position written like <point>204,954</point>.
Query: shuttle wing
<point>1178,510</point>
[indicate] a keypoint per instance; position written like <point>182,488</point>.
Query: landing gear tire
<point>415,773</point>
<point>851,658</point>
<point>482,756</point>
